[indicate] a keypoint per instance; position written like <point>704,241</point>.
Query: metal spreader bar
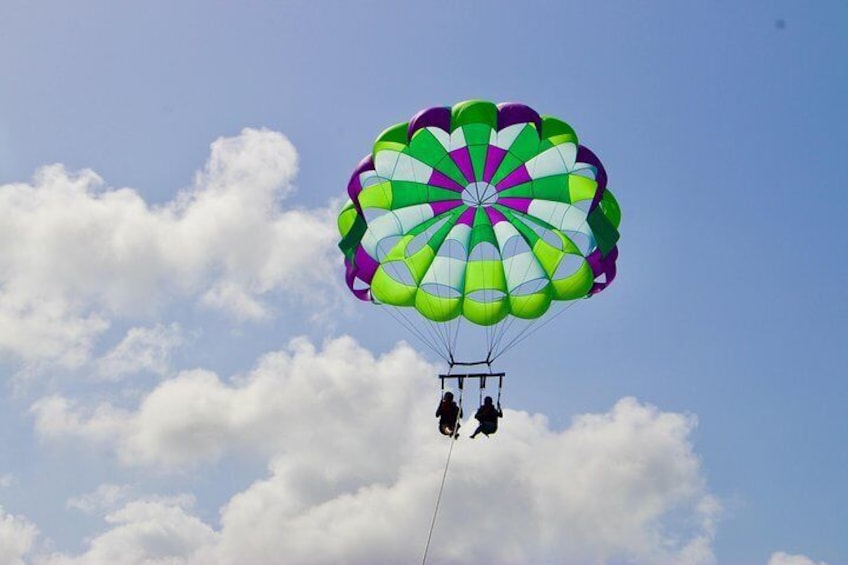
<point>460,377</point>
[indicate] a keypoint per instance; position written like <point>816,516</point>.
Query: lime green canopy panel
<point>479,210</point>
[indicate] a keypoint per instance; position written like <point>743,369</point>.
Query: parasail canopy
<point>479,211</point>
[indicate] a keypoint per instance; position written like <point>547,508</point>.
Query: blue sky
<point>722,129</point>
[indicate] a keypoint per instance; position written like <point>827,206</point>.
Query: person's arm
<point>439,410</point>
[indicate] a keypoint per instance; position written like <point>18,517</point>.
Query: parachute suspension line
<point>453,329</point>
<point>486,308</point>
<point>505,328</point>
<point>523,334</point>
<point>425,333</point>
<point>451,343</point>
<point>500,386</point>
<point>400,318</point>
<point>444,473</point>
<point>532,328</point>
<point>397,314</point>
<point>433,331</point>
<point>457,326</point>
<point>491,329</point>
<point>527,324</point>
<point>437,333</point>
<point>441,329</point>
<point>492,342</point>
<point>490,339</point>
<point>440,336</point>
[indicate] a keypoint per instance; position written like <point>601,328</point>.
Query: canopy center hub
<point>479,195</point>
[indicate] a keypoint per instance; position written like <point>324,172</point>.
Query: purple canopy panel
<point>511,113</point>
<point>602,266</point>
<point>366,264</point>
<point>467,217</point>
<point>585,155</point>
<point>350,279</point>
<point>437,116</point>
<point>594,260</point>
<point>495,216</point>
<point>462,158</point>
<point>354,186</point>
<point>443,181</point>
<point>516,177</point>
<point>494,157</point>
<point>515,203</point>
<point>443,206</point>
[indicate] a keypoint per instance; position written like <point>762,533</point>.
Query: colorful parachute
<point>479,211</point>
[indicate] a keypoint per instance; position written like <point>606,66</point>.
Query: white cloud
<point>56,417</point>
<point>84,254</point>
<point>45,330</point>
<point>356,463</point>
<point>105,497</point>
<point>591,494</point>
<point>7,480</point>
<point>145,531</point>
<point>142,349</point>
<point>17,535</point>
<point>234,298</point>
<point>196,417</point>
<point>781,558</point>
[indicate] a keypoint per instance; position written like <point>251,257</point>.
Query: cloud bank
<point>782,558</point>
<point>17,536</point>
<point>355,463</point>
<point>353,458</point>
<point>83,254</point>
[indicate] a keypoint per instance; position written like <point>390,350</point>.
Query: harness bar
<point>460,377</point>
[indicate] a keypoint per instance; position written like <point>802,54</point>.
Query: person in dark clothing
<point>488,416</point>
<point>449,414</point>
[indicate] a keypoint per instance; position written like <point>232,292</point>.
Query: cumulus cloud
<point>781,558</point>
<point>145,531</point>
<point>17,536</point>
<point>356,464</point>
<point>142,349</point>
<point>56,417</point>
<point>84,254</point>
<point>105,497</point>
<point>196,416</point>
